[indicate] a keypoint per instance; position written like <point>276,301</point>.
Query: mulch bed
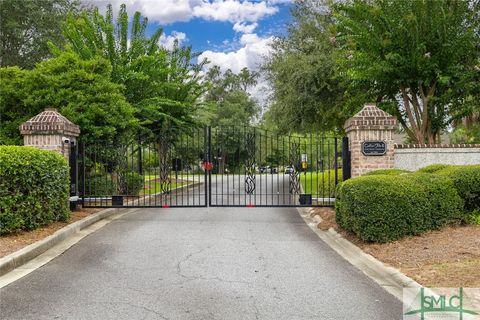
<point>15,242</point>
<point>449,257</point>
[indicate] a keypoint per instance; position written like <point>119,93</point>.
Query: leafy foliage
<point>466,179</point>
<point>229,106</point>
<point>34,188</point>
<point>433,168</point>
<point>475,217</point>
<point>162,85</point>
<point>463,134</point>
<point>81,89</point>
<point>417,57</point>
<point>307,94</point>
<point>26,27</point>
<point>321,184</point>
<point>131,183</point>
<point>388,172</point>
<point>100,185</point>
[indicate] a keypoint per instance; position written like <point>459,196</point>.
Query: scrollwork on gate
<point>294,183</point>
<point>250,163</point>
<point>164,164</point>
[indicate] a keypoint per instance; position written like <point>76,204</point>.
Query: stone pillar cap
<point>371,118</point>
<point>49,121</point>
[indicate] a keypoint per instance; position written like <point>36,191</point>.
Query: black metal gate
<point>255,167</point>
<point>162,170</point>
<point>222,166</point>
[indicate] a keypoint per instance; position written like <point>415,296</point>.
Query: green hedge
<point>101,186</point>
<point>466,180</point>
<point>389,172</point>
<point>474,217</point>
<point>433,168</point>
<point>128,183</point>
<point>131,183</point>
<point>385,208</point>
<point>34,188</point>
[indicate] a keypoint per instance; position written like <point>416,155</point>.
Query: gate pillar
<point>370,140</point>
<point>49,130</point>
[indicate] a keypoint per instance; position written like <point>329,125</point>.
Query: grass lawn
<point>172,174</point>
<point>321,184</point>
<point>152,187</point>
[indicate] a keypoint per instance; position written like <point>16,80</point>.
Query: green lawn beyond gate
<point>321,184</point>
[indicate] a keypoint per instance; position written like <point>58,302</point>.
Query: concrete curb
<point>389,278</point>
<point>30,252</point>
<point>22,256</point>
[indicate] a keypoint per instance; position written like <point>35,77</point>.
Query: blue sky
<point>231,33</point>
<point>220,35</point>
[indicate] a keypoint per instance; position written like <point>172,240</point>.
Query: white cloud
<point>233,10</point>
<point>169,41</point>
<point>250,55</point>
<point>273,2</point>
<point>244,28</point>
<point>169,11</point>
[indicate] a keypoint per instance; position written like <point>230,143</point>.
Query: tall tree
<point>417,56</point>
<point>81,89</point>
<point>307,94</point>
<point>26,27</point>
<point>230,106</point>
<point>163,85</point>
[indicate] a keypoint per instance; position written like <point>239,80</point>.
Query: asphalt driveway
<point>206,263</point>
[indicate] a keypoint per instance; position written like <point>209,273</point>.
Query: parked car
<point>268,169</point>
<point>289,170</point>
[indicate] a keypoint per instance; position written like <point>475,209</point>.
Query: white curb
<point>389,278</point>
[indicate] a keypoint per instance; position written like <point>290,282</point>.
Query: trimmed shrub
<point>388,172</point>
<point>34,188</point>
<point>466,179</point>
<point>474,217</point>
<point>385,208</point>
<point>131,183</point>
<point>433,168</point>
<point>101,186</point>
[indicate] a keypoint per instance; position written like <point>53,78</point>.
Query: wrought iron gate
<point>223,166</point>
<point>163,170</point>
<point>255,167</point>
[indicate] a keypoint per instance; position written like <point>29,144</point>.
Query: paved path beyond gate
<point>205,263</point>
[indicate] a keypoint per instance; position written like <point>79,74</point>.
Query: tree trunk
<point>416,101</point>
<point>164,165</point>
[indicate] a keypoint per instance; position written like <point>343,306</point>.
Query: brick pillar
<point>368,132</point>
<point>49,130</point>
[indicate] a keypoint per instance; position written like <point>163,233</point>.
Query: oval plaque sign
<point>374,148</point>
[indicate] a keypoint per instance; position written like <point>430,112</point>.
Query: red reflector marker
<point>165,206</point>
<point>250,205</point>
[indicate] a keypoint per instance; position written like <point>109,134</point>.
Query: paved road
<point>266,189</point>
<point>210,263</point>
<point>231,189</point>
